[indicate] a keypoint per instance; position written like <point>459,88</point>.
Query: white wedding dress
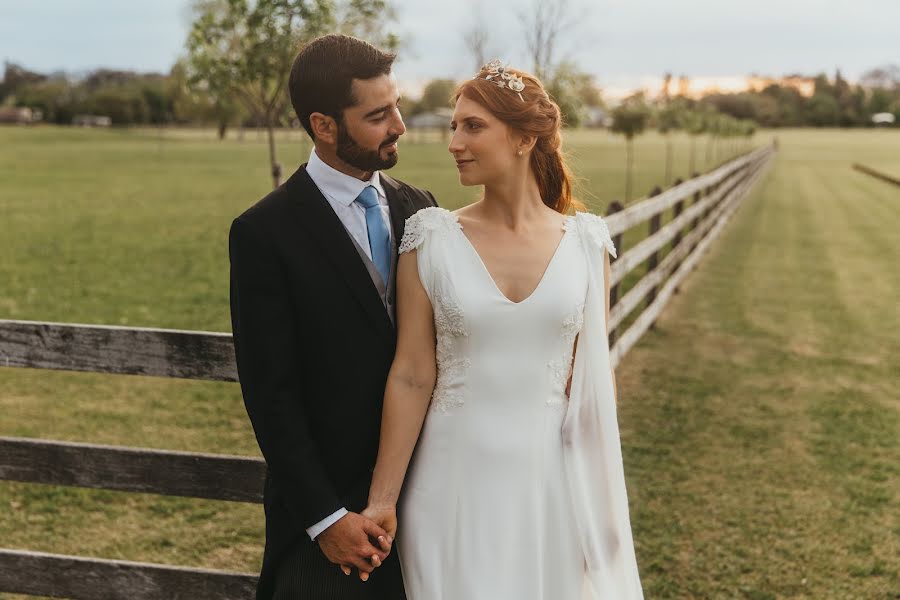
<point>516,492</point>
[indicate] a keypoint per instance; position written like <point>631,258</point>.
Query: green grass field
<point>760,419</point>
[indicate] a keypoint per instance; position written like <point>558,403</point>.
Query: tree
<point>630,119</point>
<point>694,123</point>
<point>823,110</point>
<point>191,104</point>
<point>437,94</point>
<point>124,105</point>
<point>668,119</point>
<point>543,26</point>
<point>574,91</point>
<point>55,98</point>
<point>15,76</point>
<point>245,49</point>
<point>887,76</point>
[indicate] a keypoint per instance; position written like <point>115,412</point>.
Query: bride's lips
<point>462,163</point>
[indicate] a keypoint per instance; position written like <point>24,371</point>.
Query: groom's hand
<point>347,543</point>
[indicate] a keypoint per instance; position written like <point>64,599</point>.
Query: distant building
<point>435,119</point>
<point>91,121</point>
<point>19,115</point>
<point>805,85</point>
<point>884,118</point>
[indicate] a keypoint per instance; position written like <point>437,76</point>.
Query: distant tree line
<point>127,97</point>
<point>833,103</point>
<point>131,98</point>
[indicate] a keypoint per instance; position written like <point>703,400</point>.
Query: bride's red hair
<point>534,114</point>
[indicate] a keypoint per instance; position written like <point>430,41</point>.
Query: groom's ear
<point>324,128</point>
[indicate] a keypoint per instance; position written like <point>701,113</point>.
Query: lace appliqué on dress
<point>561,368</point>
<point>449,323</point>
<point>426,220</point>
<point>597,230</point>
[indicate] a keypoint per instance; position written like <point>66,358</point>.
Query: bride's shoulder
<point>420,225</point>
<point>594,228</point>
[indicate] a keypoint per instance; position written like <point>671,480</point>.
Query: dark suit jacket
<point>314,344</point>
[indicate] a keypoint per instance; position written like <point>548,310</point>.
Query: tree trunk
<point>629,159</point>
<point>273,161</point>
<point>692,170</point>
<point>668,159</point>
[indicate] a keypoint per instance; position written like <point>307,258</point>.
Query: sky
<point>625,44</point>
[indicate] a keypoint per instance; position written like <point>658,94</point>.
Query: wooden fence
<point>700,207</point>
<point>876,174</point>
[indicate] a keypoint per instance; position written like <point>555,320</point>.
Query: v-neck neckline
<point>567,225</point>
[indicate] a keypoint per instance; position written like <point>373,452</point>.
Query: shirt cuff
<point>325,523</point>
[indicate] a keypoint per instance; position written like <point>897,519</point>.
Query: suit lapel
<point>400,204</point>
<point>318,218</point>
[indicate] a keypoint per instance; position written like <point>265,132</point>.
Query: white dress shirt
<point>341,191</point>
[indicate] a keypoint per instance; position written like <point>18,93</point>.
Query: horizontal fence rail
<point>876,174</point>
<point>57,576</point>
<point>701,207</point>
<point>194,475</point>
<point>119,350</point>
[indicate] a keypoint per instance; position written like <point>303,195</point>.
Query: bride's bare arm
<point>409,386</point>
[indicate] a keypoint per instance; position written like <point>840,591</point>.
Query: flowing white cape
<point>593,453</point>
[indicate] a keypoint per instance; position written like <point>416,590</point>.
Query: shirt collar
<point>339,187</point>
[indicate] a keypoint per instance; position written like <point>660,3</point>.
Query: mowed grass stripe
<point>761,431</point>
<point>863,254</point>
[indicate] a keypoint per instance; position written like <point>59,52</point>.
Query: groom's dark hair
<point>323,73</point>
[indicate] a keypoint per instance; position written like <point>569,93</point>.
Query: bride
<point>502,382</point>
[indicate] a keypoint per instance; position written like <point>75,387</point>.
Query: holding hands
<point>362,540</point>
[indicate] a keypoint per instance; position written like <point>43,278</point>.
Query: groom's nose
<point>397,125</point>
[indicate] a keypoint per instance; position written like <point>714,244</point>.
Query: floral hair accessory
<point>501,76</point>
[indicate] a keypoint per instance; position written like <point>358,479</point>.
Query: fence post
<point>653,259</point>
<point>677,209</point>
<point>679,206</point>
<point>698,195</point>
<point>614,207</point>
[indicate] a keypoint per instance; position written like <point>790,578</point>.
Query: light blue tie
<point>379,238</point>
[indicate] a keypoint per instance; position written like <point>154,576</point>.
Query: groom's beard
<point>365,160</point>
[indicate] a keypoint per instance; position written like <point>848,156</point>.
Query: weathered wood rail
<point>701,206</point>
<point>876,174</point>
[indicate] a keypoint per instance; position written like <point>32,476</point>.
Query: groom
<point>312,309</point>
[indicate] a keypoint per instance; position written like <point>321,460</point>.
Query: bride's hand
<point>384,516</point>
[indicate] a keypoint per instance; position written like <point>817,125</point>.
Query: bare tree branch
<point>476,37</point>
<point>543,25</point>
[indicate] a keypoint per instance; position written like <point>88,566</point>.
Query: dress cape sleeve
<point>591,445</point>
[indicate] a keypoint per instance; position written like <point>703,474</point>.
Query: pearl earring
<point>519,153</point>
